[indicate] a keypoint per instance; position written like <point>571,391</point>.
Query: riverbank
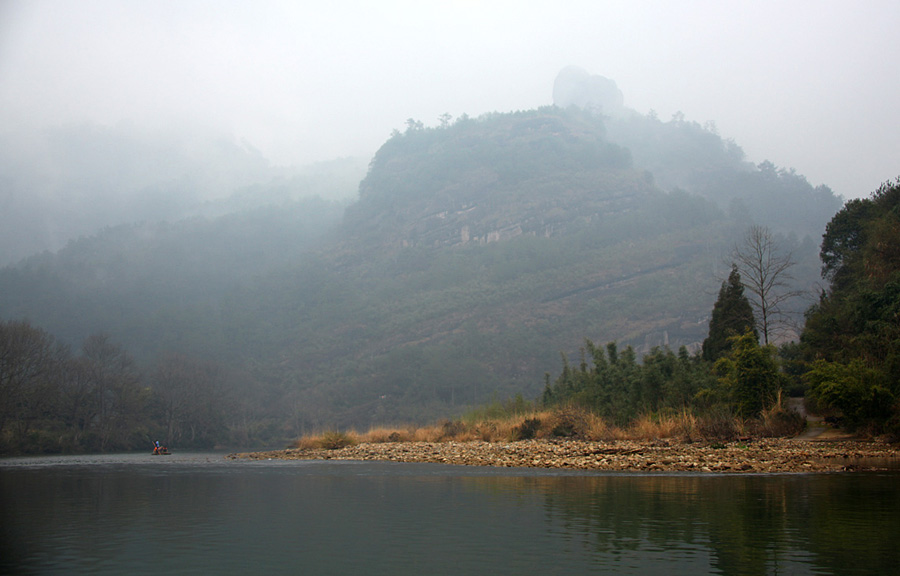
<point>768,455</point>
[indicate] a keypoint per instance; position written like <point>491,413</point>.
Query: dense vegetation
<point>732,315</point>
<point>97,400</point>
<point>851,343</point>
<point>477,250</point>
<point>619,388</point>
<point>847,360</point>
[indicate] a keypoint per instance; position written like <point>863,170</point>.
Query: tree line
<point>846,362</point>
<point>380,321</point>
<point>96,400</point>
<point>309,310</point>
<point>851,344</point>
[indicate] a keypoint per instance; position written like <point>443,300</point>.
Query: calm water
<point>202,514</point>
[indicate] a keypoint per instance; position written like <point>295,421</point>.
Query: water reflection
<point>211,516</point>
<point>828,524</point>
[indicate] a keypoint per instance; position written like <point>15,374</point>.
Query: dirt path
<point>816,428</point>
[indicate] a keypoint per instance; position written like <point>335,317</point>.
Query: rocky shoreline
<point>769,455</point>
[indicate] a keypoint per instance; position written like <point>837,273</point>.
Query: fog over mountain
<point>808,87</point>
<point>476,251</point>
<point>60,183</point>
<point>369,212</point>
<point>575,87</point>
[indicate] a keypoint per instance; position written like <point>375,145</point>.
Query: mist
<point>360,215</point>
<point>156,107</point>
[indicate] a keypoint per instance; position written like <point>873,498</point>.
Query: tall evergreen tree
<point>732,315</point>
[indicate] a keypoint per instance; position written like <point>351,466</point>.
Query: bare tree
<point>765,273</point>
<point>77,400</point>
<point>30,364</point>
<point>115,385</point>
<point>191,398</point>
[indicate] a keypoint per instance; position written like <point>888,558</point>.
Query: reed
<point>570,422</point>
<point>683,425</point>
<point>778,421</point>
<point>329,440</point>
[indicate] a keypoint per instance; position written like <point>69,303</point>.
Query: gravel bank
<point>757,456</point>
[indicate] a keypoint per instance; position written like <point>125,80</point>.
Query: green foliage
<point>745,381</point>
<point>779,199</point>
<point>852,336</point>
<point>844,237</point>
<point>732,315</point>
<point>618,388</point>
<point>861,393</point>
<point>750,375</point>
<point>793,367</point>
<point>475,251</point>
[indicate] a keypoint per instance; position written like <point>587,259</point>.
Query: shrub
<point>383,434</point>
<point>527,430</point>
<point>776,421</point>
<point>569,422</point>
<point>486,431</point>
<point>451,429</point>
<point>667,423</point>
<point>859,392</point>
<point>750,373</point>
<point>719,425</point>
<point>334,440</point>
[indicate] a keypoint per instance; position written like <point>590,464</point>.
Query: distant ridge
<point>476,252</point>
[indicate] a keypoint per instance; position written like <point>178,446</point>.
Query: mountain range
<point>474,254</point>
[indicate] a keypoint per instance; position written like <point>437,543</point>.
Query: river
<point>204,514</point>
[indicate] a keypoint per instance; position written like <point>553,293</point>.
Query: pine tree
<point>732,315</point>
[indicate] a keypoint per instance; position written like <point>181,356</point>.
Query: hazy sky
<point>811,85</point>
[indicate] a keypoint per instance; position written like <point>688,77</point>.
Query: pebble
<point>767,455</point>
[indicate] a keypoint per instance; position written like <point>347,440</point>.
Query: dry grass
<point>558,423</point>
<point>684,426</point>
<point>572,422</point>
<point>330,440</point>
<point>777,421</point>
<point>653,426</point>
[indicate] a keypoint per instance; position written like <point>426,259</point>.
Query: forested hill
<point>545,171</point>
<point>476,252</point>
<point>536,173</point>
